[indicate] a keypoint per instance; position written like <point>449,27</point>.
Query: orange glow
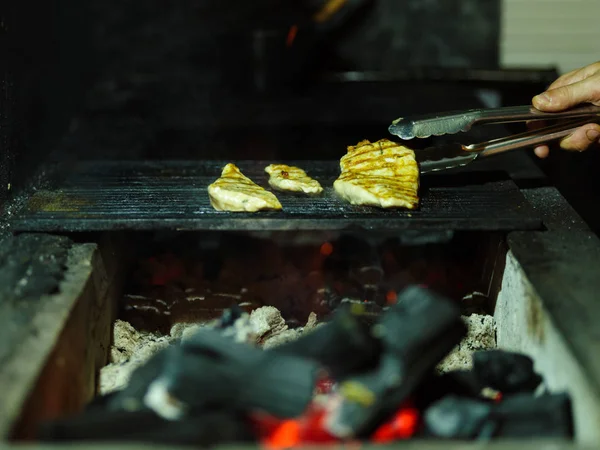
<point>291,36</point>
<point>326,249</point>
<point>391,297</point>
<point>165,269</point>
<point>286,435</point>
<point>329,9</point>
<point>402,426</point>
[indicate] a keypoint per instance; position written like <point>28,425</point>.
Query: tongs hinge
<point>454,155</point>
<point>527,139</point>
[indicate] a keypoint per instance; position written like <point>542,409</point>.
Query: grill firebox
<point>55,364</point>
<point>506,245</point>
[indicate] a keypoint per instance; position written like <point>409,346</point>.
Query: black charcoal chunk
<point>344,345</point>
<point>518,416</point>
<point>434,387</point>
<point>506,372</point>
<point>416,334</point>
<point>525,416</point>
<point>456,418</point>
<point>210,370</point>
<point>215,427</point>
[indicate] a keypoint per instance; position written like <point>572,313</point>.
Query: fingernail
<point>542,98</point>
<point>592,135</point>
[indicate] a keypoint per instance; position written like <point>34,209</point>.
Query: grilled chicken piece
<point>290,178</point>
<point>382,173</point>
<point>236,192</point>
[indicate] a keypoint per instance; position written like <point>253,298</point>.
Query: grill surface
<point>96,196</point>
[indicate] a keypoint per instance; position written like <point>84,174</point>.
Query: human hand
<point>569,90</point>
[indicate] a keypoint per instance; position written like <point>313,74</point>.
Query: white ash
<point>125,341</point>
<point>180,328</point>
<point>288,335</point>
<point>311,322</point>
<point>114,377</point>
<point>481,335</point>
<point>261,324</point>
<point>131,349</point>
<point>264,326</point>
<point>242,330</point>
<point>267,320</point>
<point>129,343</point>
<point>282,338</point>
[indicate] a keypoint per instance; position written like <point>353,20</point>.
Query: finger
<point>566,97</point>
<point>575,76</point>
<point>582,138</point>
<point>564,79</point>
<point>542,151</point>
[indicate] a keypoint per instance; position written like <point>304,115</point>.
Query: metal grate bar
<point>95,196</point>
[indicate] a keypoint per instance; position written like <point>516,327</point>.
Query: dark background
<point>123,79</point>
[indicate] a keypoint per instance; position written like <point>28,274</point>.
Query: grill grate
<point>95,196</point>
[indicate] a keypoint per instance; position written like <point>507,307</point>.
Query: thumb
<point>562,98</point>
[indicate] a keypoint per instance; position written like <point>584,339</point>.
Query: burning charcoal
<point>145,426</point>
<point>456,418</point>
<point>209,369</point>
<point>344,345</point>
<point>505,371</point>
<point>403,425</point>
<point>305,430</point>
<point>416,333</point>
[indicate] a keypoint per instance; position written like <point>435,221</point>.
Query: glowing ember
<point>402,426</point>
<point>291,36</point>
<point>330,8</point>
<point>326,249</point>
<point>391,297</point>
<point>165,269</point>
<point>324,386</point>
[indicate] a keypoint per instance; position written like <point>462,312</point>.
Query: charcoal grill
<point>141,153</point>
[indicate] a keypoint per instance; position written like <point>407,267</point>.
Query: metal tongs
<point>449,156</point>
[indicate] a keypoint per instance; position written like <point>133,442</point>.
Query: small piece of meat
<point>382,173</point>
<point>237,193</point>
<point>293,179</point>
